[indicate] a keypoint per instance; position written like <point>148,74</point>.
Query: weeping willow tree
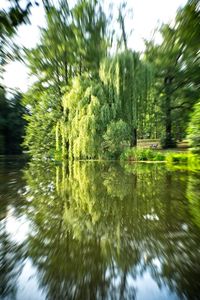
<point>128,80</point>
<point>92,106</point>
<point>86,114</point>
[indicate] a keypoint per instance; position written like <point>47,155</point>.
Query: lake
<point>98,230</point>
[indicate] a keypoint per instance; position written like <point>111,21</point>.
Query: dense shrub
<point>177,158</point>
<point>183,161</point>
<point>116,137</point>
<point>139,154</point>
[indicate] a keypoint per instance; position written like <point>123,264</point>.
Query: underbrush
<point>178,158</point>
<point>183,161</point>
<point>174,161</point>
<point>140,154</point>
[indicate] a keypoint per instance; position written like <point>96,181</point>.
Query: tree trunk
<point>121,20</point>
<point>168,143</point>
<point>168,129</point>
<point>133,137</point>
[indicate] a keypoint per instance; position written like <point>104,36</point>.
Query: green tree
<point>116,137</point>
<point>194,129</point>
<point>43,112</point>
<point>86,117</point>
<point>91,35</point>
<point>177,72</point>
<point>75,48</point>
<point>128,80</point>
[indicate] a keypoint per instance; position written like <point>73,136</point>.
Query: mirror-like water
<point>98,230</point>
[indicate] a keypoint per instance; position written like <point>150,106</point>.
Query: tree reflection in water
<point>99,229</point>
<point>12,253</point>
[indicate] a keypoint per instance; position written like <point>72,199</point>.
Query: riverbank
<point>182,160</point>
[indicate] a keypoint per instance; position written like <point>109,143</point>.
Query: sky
<point>146,16</point>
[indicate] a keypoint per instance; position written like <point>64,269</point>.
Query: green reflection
<point>193,195</point>
<point>12,253</point>
<point>97,227</point>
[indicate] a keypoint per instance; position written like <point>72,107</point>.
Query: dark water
<point>93,230</point>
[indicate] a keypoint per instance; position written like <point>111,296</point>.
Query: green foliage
<point>128,80</point>
<point>167,141</point>
<point>140,154</point>
<point>87,115</point>
<point>116,137</point>
<point>89,27</point>
<point>177,158</point>
<point>73,43</point>
<point>88,94</point>
<point>14,16</point>
<point>183,161</point>
<point>194,129</point>
<point>175,60</point>
<point>44,111</point>
<point>188,22</point>
<point>193,197</point>
<point>101,115</point>
<point>13,13</point>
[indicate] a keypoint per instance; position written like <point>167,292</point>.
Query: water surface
<point>98,230</point>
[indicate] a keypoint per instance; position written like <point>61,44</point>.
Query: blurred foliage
<point>116,137</point>
<point>11,17</point>
<point>194,198</point>
<point>86,119</point>
<point>194,129</point>
<point>140,154</point>
<point>176,63</point>
<point>14,15</point>
<point>61,55</point>
<point>183,162</point>
<point>42,112</point>
<point>90,107</point>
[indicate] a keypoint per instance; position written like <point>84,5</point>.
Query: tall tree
<point>177,70</point>
<point>77,47</point>
<point>90,29</point>
<point>128,80</point>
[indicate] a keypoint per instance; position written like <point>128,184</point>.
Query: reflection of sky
<point>147,288</point>
<point>144,285</point>
<point>144,276</point>
<point>17,227</point>
<point>28,285</point>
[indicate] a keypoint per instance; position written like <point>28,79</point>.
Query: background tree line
<point>11,123</point>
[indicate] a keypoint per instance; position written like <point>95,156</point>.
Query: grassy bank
<point>173,159</point>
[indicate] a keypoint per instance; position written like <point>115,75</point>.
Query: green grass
<point>183,161</point>
<point>141,154</point>
<point>177,158</point>
<point>174,160</point>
